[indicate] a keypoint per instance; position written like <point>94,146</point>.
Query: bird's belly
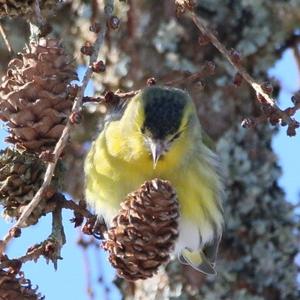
<point>199,215</point>
<point>190,192</point>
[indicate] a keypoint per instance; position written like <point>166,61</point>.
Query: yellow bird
<point>158,135</point>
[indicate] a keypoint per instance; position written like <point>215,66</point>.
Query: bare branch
<point>267,102</point>
<point>38,13</point>
<point>6,41</point>
<point>296,52</point>
<point>58,235</point>
<point>87,266</point>
<point>207,69</point>
<point>33,253</point>
<point>50,248</point>
<point>70,204</point>
<point>112,98</point>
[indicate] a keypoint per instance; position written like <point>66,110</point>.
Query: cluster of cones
<point>36,97</point>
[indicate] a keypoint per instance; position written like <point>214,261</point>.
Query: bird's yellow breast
<point>113,170</point>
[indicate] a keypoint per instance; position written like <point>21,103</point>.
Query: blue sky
<point>287,148</point>
<point>69,281</point>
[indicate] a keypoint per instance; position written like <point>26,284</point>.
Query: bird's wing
<point>204,259</point>
<point>208,142</point>
<point>211,250</point>
<point>197,260</point>
<point>116,112</point>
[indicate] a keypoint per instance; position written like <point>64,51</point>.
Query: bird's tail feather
<point>211,250</point>
<point>197,260</point>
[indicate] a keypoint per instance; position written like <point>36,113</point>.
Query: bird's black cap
<point>164,108</point>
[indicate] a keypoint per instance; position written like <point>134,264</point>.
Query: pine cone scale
<point>17,287</point>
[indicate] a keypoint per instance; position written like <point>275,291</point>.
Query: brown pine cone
<point>14,287</point>
<point>21,175</point>
<point>15,8</point>
<point>36,96</point>
<point>145,230</point>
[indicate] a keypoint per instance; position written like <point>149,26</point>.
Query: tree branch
<point>266,101</point>
<point>57,235</point>
<point>207,69</point>
<point>112,98</point>
<point>6,40</point>
<point>50,248</point>
<point>38,13</point>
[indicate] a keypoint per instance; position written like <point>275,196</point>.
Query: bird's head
<point>164,119</point>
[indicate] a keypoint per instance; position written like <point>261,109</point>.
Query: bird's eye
<point>143,130</point>
<point>175,136</point>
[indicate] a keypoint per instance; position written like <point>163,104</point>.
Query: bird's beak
<point>157,148</point>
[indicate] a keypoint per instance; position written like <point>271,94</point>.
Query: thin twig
<point>58,234</point>
<point>6,40</point>
<point>296,52</point>
<point>101,271</point>
<point>38,13</point>
<point>203,28</point>
<point>87,265</point>
<point>95,11</point>
<point>70,204</point>
<point>102,99</point>
<point>207,69</point>
<point>56,238</point>
<point>59,200</point>
<point>109,4</point>
<point>33,254</point>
